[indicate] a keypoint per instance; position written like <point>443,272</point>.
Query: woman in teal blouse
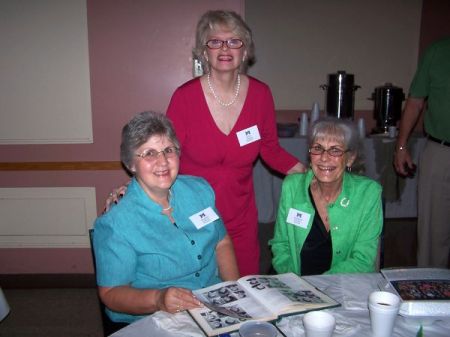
<point>329,220</point>
<point>165,238</point>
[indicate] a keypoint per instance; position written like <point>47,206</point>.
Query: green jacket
<point>356,221</point>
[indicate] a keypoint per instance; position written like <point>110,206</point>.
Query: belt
<point>440,141</point>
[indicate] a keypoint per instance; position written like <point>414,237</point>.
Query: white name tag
<point>298,218</point>
<point>248,135</point>
<point>204,217</point>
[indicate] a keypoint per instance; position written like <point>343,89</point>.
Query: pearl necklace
<point>168,199</point>
<point>236,92</point>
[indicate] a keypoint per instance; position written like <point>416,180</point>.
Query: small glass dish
<point>257,329</point>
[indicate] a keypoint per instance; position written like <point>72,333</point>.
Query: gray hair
<point>342,131</point>
<point>210,21</point>
<point>140,129</point>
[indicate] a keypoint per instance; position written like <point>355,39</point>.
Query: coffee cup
<point>319,324</point>
<point>383,310</point>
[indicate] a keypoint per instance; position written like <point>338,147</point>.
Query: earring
<point>349,169</point>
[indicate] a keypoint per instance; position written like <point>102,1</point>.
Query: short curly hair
<point>140,129</point>
<point>343,131</point>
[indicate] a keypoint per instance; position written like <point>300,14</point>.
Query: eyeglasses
<point>332,151</point>
<point>151,155</point>
<point>231,43</point>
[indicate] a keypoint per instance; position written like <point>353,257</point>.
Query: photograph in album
<point>255,297</point>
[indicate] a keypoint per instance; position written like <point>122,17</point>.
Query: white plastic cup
<point>315,112</point>
<point>392,131</point>
<point>319,324</point>
<point>361,128</point>
<point>383,310</point>
<point>304,124</point>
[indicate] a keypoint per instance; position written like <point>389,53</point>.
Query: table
<point>400,194</point>
<point>352,318</point>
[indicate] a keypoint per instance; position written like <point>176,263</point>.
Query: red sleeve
<point>271,151</point>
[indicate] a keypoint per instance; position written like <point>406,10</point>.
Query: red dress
<point>207,152</point>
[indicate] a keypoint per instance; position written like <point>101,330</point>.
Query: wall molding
<point>46,217</point>
<point>62,166</point>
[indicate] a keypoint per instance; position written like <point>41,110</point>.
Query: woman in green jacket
<point>329,220</point>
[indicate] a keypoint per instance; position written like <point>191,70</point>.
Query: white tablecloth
<point>352,318</point>
<point>400,194</point>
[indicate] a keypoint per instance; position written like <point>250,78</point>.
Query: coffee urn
<point>340,95</point>
<point>387,106</point>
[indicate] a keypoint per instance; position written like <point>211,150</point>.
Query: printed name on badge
<point>204,217</point>
<point>248,135</point>
<point>298,218</point>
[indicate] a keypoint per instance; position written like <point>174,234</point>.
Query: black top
<point>316,253</point>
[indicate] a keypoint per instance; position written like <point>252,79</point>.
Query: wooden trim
<point>62,166</point>
<point>27,281</point>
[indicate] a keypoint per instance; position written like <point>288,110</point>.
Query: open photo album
<point>255,297</point>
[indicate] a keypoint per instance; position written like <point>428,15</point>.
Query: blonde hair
<point>211,21</point>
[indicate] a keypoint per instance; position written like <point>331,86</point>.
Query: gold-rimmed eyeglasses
<point>333,151</point>
<point>231,43</point>
<point>151,155</point>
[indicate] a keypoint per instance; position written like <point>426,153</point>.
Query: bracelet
<point>401,148</point>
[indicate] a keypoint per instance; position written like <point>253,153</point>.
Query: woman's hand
<point>174,300</point>
<point>297,168</point>
<point>115,196</point>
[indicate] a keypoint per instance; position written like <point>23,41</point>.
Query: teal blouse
<point>138,246</point>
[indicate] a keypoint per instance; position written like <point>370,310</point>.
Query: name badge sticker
<point>298,218</point>
<point>204,217</point>
<point>248,135</point>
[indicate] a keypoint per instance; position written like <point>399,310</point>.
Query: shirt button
<point>192,242</point>
<point>199,257</point>
<point>197,274</point>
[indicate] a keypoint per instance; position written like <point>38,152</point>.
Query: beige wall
<point>300,42</point>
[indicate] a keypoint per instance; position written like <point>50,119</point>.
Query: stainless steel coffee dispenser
<point>387,106</point>
<point>340,95</point>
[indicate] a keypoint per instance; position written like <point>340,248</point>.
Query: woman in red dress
<point>224,120</point>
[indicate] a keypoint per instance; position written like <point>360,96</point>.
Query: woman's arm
<point>226,260</point>
<point>282,260</point>
<point>271,151</point>
<point>146,301</point>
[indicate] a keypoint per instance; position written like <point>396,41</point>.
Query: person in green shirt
<point>430,92</point>
<point>329,220</point>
